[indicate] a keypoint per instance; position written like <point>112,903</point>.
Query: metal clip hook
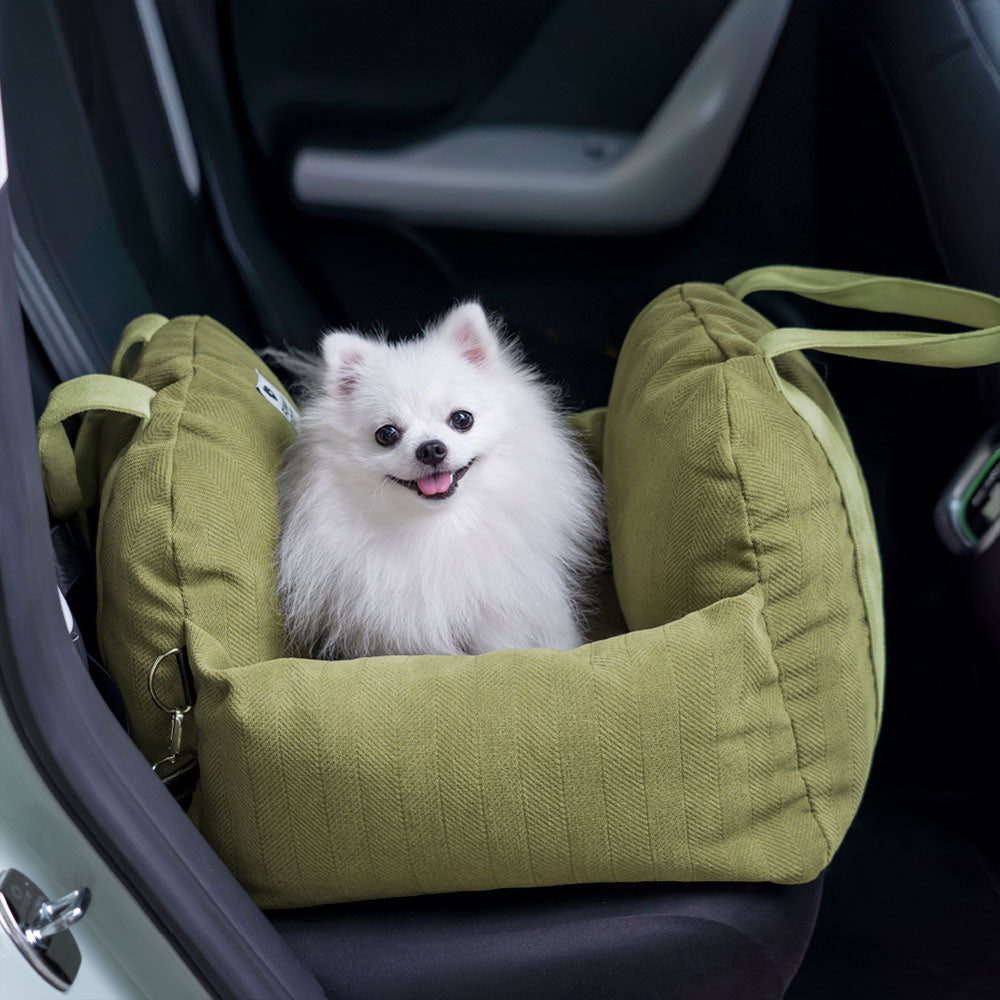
<point>177,770</point>
<point>177,713</point>
<point>185,675</point>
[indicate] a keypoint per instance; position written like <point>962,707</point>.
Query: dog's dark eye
<point>461,420</point>
<point>387,435</point>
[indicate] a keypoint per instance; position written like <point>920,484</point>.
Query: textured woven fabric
<point>188,520</point>
<point>726,735</point>
<point>737,493</point>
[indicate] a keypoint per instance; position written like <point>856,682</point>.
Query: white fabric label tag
<point>277,400</point>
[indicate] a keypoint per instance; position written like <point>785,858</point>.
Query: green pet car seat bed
<point>727,735</point>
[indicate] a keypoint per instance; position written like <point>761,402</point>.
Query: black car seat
<point>111,218</point>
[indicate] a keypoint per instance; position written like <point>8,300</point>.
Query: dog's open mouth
<point>437,486</point>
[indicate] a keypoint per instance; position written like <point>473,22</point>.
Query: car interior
<point>289,168</point>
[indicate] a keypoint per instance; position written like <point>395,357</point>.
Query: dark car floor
<point>911,908</point>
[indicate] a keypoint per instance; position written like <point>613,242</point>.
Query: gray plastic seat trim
<point>63,347</point>
<point>170,93</point>
<point>567,180</point>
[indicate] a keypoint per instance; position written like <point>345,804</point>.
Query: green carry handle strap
<point>921,299</point>
<point>140,331</point>
<point>80,395</point>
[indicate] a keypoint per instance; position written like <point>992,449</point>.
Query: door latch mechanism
<point>39,926</point>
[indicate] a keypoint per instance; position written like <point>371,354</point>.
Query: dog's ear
<point>343,354</point>
<point>467,329</point>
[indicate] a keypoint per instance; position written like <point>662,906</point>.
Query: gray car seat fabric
<point>594,942</point>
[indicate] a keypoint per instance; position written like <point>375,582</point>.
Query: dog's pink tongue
<point>432,485</point>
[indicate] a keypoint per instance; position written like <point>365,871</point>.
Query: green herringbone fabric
<point>726,735</point>
<point>663,754</point>
<point>738,494</point>
<point>189,520</point>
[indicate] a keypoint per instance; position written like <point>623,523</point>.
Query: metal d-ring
<point>152,690</point>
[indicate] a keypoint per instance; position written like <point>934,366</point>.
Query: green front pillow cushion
<point>726,736</point>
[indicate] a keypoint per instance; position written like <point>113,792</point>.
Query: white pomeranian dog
<point>434,500</point>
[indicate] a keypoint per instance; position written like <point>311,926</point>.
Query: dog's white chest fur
<point>450,581</point>
<point>434,502</point>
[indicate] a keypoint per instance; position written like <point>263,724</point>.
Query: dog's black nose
<point>431,452</point>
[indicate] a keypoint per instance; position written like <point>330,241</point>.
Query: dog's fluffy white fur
<point>380,552</point>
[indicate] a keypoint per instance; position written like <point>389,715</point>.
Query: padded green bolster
<point>714,485</point>
<point>971,348</point>
<point>80,395</point>
<point>829,430</point>
<point>188,501</point>
<point>630,759</point>
<point>589,429</point>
